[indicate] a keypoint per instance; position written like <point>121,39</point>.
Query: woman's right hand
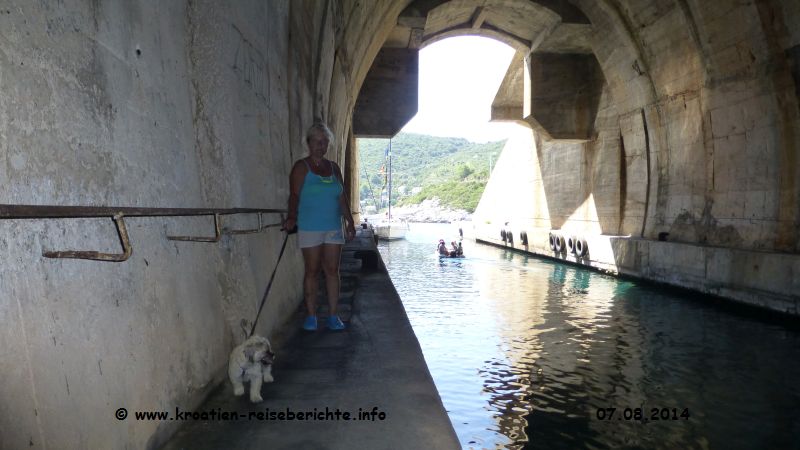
<point>289,224</point>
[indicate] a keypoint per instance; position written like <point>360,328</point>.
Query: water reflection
<point>525,353</point>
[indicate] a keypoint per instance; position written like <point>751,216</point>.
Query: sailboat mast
<point>390,178</point>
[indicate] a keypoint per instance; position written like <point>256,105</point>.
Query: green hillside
<point>452,169</point>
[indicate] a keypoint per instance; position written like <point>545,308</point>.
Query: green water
<point>528,353</point>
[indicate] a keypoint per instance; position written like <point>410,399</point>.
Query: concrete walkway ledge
<point>374,370</point>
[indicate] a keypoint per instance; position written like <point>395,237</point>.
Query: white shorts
<point>306,239</point>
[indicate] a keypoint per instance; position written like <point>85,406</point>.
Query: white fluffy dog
<point>251,361</point>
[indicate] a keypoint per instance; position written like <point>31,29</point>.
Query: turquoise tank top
<point>318,209</point>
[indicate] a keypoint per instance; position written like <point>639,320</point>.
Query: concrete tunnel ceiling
<point>553,28</point>
<point>684,91</point>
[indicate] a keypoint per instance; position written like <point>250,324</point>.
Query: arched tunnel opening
<point>621,150</point>
<point>444,155</point>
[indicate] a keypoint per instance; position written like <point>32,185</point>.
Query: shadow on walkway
<point>374,369</point>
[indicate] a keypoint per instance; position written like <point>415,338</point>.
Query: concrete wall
<point>135,104</point>
<point>153,104</point>
<point>696,136</point>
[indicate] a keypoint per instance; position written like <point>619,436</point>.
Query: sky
<point>458,79</point>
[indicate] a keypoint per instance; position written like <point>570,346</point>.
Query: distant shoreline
<point>429,211</point>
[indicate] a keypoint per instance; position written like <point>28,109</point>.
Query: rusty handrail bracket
<point>278,224</point>
<point>122,232</point>
<point>261,227</point>
<point>246,231</point>
<point>272,225</point>
<point>215,238</point>
<point>12,212</point>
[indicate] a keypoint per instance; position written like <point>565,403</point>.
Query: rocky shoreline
<point>429,211</point>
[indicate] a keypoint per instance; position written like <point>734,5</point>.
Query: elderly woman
<point>317,204</point>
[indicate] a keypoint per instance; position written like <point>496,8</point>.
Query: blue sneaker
<point>310,324</point>
<point>335,323</point>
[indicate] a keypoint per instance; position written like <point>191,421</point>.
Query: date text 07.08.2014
<point>642,414</point>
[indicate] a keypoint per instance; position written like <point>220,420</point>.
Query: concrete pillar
<point>388,97</point>
<point>351,176</point>
<point>563,94</point>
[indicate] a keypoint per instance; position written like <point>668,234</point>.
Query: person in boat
<point>454,251</point>
<point>317,205</point>
<point>459,250</point>
<point>442,249</point>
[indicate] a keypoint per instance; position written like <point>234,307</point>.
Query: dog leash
<point>271,279</point>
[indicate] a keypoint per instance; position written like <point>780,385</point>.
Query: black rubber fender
<point>581,247</point>
<point>560,245</point>
<point>570,244</point>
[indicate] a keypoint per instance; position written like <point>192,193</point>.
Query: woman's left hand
<point>350,232</point>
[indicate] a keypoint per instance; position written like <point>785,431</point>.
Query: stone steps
<point>350,267</point>
<point>348,282</point>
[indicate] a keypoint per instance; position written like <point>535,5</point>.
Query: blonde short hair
<point>319,127</point>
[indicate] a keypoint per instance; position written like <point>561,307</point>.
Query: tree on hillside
<point>463,171</point>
